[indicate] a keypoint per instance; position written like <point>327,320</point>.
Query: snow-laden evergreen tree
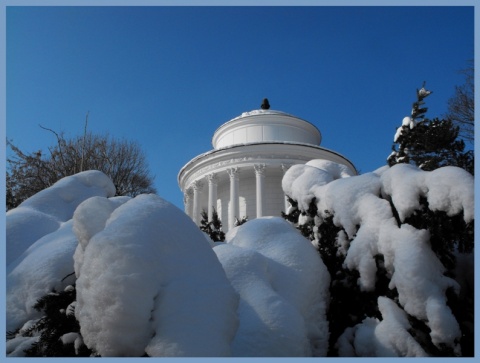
<point>429,144</point>
<point>213,227</point>
<point>352,220</point>
<point>424,144</point>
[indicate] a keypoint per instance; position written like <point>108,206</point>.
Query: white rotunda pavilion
<point>242,175</point>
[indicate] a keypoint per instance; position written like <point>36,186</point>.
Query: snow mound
<point>283,287</point>
<point>43,213</point>
<point>148,281</point>
<point>40,242</point>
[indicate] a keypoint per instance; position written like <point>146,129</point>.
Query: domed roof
<point>265,125</point>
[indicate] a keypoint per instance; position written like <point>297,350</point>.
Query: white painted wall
<point>265,126</point>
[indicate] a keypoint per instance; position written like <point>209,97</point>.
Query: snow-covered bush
<point>396,277</point>
<point>147,282</point>
<point>368,229</point>
<point>41,243</point>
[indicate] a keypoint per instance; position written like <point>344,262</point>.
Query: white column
<point>187,201</point>
<point>287,204</point>
<point>197,185</point>
<point>259,178</point>
<point>234,210</point>
<point>212,194</point>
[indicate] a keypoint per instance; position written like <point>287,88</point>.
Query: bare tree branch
<point>123,161</point>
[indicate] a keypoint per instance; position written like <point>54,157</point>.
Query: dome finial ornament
<point>265,105</point>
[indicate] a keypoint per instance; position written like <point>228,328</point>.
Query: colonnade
<point>192,195</point>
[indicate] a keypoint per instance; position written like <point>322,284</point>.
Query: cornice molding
<point>242,156</point>
<point>229,165</point>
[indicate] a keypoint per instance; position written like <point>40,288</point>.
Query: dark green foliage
<point>214,227</point>
<point>349,305</point>
<point>447,234</point>
<point>57,321</point>
<point>450,235</point>
<point>307,229</point>
<point>294,212</point>
<point>239,222</point>
<point>328,248</point>
<point>421,333</point>
<point>432,144</point>
<point>463,307</point>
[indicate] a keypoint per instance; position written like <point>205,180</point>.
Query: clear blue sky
<point>167,77</point>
